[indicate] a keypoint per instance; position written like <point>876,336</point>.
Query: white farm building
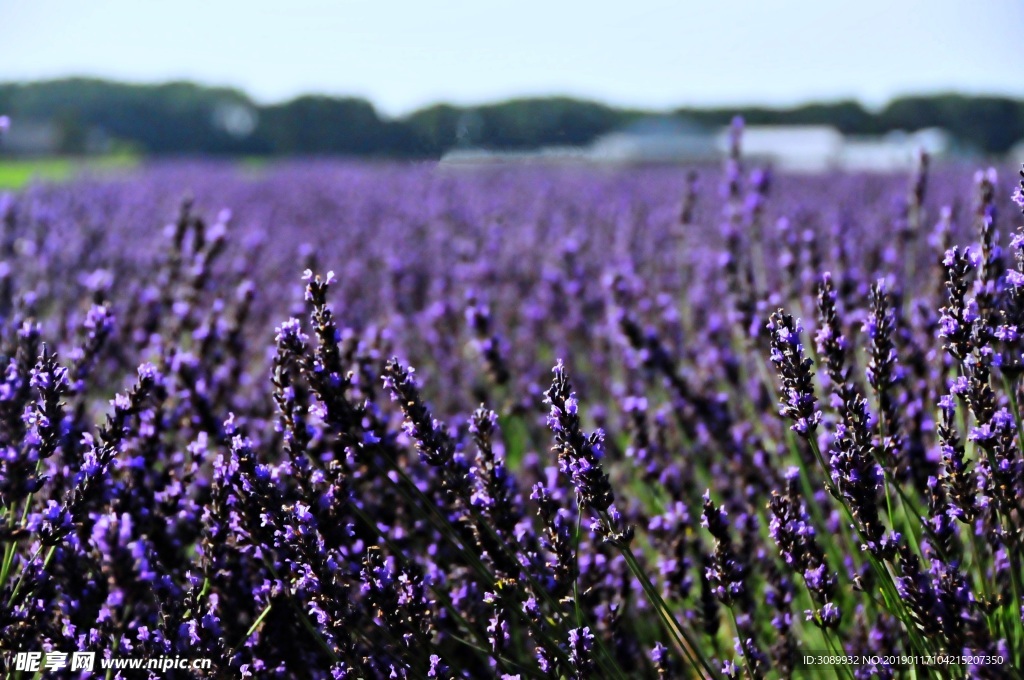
<point>788,148</point>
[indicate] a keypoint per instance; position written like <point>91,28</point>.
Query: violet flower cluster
<point>320,435</point>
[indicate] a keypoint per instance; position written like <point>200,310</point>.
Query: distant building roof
<point>552,154</point>
<point>31,137</point>
<point>656,139</point>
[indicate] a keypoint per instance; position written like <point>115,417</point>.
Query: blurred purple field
<point>371,470</point>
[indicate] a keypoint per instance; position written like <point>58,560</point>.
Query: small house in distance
<point>657,139</point>
<point>28,137</point>
<point>31,138</point>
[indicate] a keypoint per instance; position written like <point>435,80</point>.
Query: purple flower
<point>438,669</point>
<point>787,354</point>
<point>581,647</point>
<point>578,454</point>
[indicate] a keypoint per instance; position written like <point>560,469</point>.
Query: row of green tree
<point>184,118</point>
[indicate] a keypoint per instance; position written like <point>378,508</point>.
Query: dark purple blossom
<point>797,399</point>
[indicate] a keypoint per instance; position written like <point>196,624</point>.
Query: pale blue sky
<point>648,53</point>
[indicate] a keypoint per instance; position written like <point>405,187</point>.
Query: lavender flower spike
<point>797,400</point>
<point>434,444</point>
<point>578,455</point>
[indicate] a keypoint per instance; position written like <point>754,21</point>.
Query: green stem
<point>832,548</point>
<point>894,603</point>
<point>909,514</point>
<point>1015,609</point>
<point>576,578</point>
<point>252,628</point>
<point>742,646</point>
<point>1011,391</point>
<point>5,569</point>
<point>21,577</point>
<point>680,643</point>
<point>838,651</point>
<point>879,453</point>
<point>515,666</point>
<point>683,638</point>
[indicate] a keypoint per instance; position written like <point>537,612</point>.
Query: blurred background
<point>820,85</point>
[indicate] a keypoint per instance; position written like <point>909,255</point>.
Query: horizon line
<point>708,107</point>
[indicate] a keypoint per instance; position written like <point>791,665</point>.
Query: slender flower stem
<point>891,597</point>
<point>684,639</point>
<point>5,567</point>
<point>21,577</point>
<point>837,648</point>
<point>252,628</point>
<point>743,648</point>
<point>576,579</point>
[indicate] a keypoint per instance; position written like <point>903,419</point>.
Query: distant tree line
<point>188,119</point>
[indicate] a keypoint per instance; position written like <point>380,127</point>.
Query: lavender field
<point>339,420</point>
